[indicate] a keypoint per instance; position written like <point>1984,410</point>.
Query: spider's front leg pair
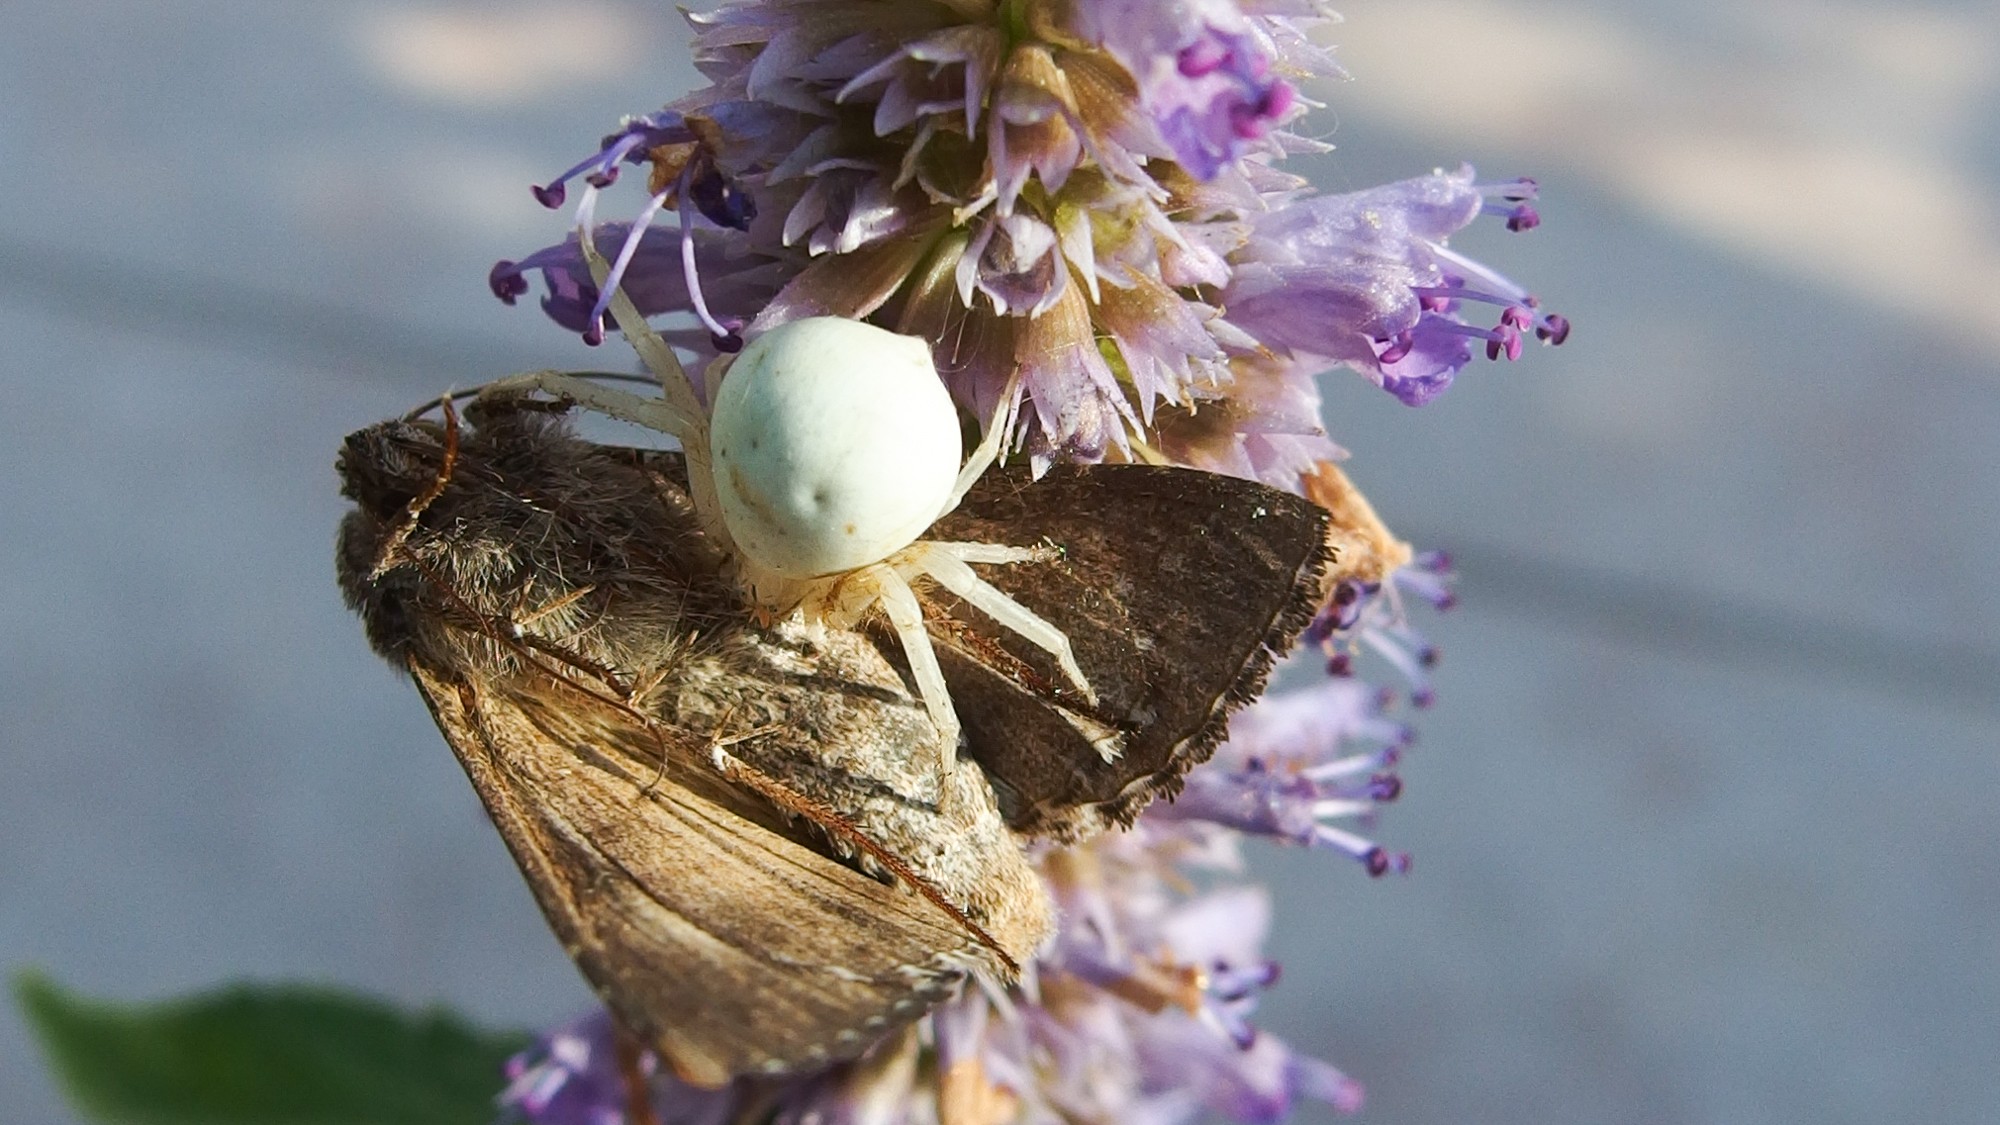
<point>891,584</point>
<point>831,447</point>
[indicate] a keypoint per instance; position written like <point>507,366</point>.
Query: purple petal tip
<point>506,281</point>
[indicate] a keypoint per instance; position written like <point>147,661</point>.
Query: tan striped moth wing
<point>732,949</point>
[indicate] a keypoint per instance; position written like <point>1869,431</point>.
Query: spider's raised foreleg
<point>669,415</point>
<point>653,413</point>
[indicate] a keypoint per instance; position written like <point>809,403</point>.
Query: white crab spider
<point>832,446</point>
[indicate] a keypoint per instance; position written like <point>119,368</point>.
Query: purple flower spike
<point>570,292</point>
<point>1361,617</point>
<point>1312,1079</point>
<point>1204,72</point>
<point>506,281</point>
<point>1213,98</point>
<point>1523,217</point>
<point>1081,207</point>
<point>719,199</point>
<point>1292,766</point>
<point>1428,577</point>
<point>1514,203</point>
<point>1425,359</point>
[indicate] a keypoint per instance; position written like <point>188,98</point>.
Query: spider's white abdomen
<point>834,445</point>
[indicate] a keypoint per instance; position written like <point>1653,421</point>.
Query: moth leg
<point>945,564</point>
<point>899,603</point>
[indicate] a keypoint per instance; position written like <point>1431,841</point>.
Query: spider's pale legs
<point>889,584</point>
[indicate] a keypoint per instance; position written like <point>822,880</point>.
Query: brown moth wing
<point>732,949</point>
<point>1177,589</point>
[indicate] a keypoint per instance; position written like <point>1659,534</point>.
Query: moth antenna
<point>721,740</point>
<point>718,741</point>
<point>516,628</point>
<point>561,603</point>
<point>638,1092</point>
<point>575,660</point>
<point>785,797</point>
<point>646,684</point>
<point>389,556</point>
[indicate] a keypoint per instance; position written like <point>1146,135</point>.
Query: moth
<point>740,830</point>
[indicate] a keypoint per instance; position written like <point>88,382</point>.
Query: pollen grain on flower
<point>1081,205</point>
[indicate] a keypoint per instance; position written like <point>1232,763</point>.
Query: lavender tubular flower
<point>1079,204</point>
<point>1207,72</point>
<point>1365,280</point>
<point>1287,773</point>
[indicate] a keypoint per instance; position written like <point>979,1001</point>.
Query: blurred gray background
<point>1702,819</point>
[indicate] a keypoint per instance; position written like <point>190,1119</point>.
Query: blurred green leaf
<point>267,1055</point>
